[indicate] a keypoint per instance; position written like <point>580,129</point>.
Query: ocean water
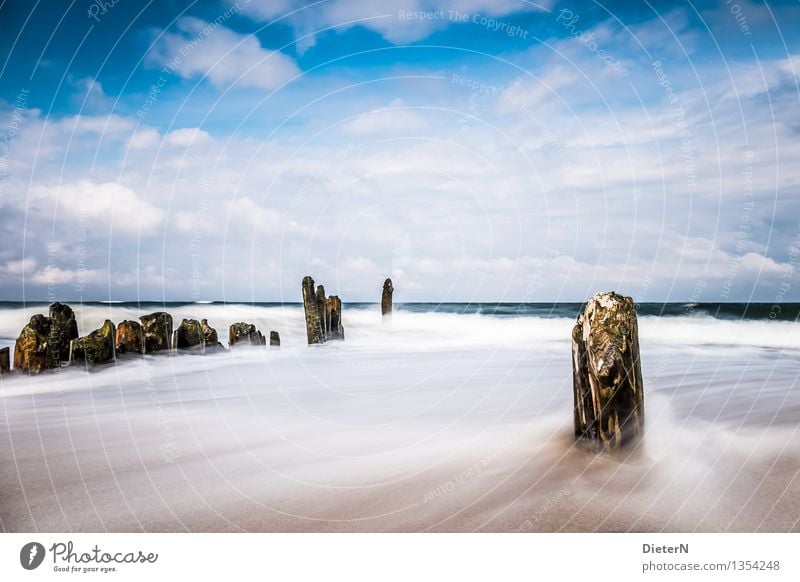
<point>447,417</point>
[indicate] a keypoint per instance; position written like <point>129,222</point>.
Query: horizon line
<point>429,302</point>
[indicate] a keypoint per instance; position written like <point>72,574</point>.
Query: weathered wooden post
<point>44,342</point>
<point>243,332</point>
<point>63,329</point>
<point>210,337</point>
<point>607,374</point>
<point>274,339</point>
<point>189,335</point>
<point>129,338</point>
<point>30,350</point>
<point>5,360</point>
<point>324,314</point>
<point>334,309</point>
<point>96,348</point>
<point>386,298</point>
<point>313,320</point>
<point>157,331</point>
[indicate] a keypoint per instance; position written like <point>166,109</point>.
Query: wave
<point>410,330</point>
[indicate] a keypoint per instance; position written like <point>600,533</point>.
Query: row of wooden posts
<point>52,341</point>
<point>607,379</point>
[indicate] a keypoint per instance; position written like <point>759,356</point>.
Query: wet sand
<point>198,444</point>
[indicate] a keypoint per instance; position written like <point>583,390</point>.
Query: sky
<point>472,150</point>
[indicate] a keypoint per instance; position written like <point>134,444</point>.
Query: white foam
<point>364,327</point>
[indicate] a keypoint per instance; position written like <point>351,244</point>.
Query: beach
<point>439,419</point>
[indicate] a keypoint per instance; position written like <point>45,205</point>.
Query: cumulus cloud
<point>200,48</point>
<point>186,137</point>
<point>99,206</point>
<point>144,138</point>
<point>90,96</point>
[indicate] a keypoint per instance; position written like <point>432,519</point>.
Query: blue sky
<point>472,150</point>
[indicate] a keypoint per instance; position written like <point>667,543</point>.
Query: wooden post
<point>335,318</point>
<point>96,347</point>
<point>189,336</point>
<point>324,314</point>
<point>607,375</point>
<point>157,332</point>
<point>129,338</point>
<point>243,332</point>
<point>5,360</point>
<point>313,320</point>
<point>386,298</point>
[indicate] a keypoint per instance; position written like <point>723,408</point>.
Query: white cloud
<point>393,120</point>
<point>389,18</point>
<point>99,206</point>
<point>534,94</point>
<point>669,35</point>
<point>52,275</point>
<point>105,125</point>
<point>758,263</point>
<point>19,267</point>
<point>747,79</point>
<point>148,138</point>
<point>91,97</point>
<point>144,138</point>
<point>207,49</point>
<point>244,210</point>
<point>359,265</point>
<point>186,137</point>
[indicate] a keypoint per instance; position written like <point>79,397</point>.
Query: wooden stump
<point>210,337</point>
<point>334,310</point>
<point>63,329</point>
<point>386,298</point>
<point>607,375</point>
<point>190,336</point>
<point>246,333</point>
<point>157,331</point>
<point>314,330</point>
<point>31,348</point>
<point>129,338</point>
<point>324,313</point>
<point>96,348</point>
<point>5,360</point>
<point>274,339</point>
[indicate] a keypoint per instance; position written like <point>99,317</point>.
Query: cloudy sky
<point>486,150</point>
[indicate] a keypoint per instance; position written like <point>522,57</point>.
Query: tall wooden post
<point>386,298</point>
